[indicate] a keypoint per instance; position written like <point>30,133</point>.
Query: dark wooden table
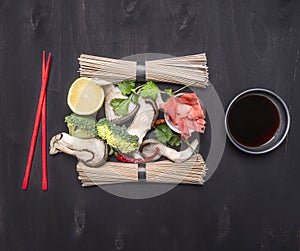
<point>250,203</point>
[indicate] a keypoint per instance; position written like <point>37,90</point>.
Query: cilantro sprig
<point>150,90</point>
<point>126,87</point>
<point>170,92</point>
<point>120,105</point>
<point>164,134</point>
<point>129,89</point>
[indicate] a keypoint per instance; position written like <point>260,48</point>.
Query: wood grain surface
<point>251,202</point>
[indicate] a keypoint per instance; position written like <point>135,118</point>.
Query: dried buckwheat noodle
<point>191,69</point>
<point>191,171</point>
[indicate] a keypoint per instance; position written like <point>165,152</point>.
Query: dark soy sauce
<point>253,120</point>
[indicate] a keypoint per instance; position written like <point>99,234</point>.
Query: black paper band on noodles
<point>140,71</point>
<point>142,172</point>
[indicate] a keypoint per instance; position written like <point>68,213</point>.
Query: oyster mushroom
<point>91,152</point>
<point>143,114</point>
<point>144,119</point>
<point>148,147</point>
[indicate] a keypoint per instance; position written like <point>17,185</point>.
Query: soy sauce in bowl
<point>253,120</point>
<point>257,121</point>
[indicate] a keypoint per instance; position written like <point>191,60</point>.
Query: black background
<point>251,202</point>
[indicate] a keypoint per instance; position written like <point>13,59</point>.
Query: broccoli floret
<point>81,126</point>
<point>117,136</point>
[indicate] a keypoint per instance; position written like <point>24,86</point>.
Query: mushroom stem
<point>149,145</point>
<point>92,152</point>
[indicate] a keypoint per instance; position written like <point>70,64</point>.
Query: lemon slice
<point>85,97</point>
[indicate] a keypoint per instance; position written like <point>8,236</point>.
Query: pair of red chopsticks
<point>40,113</point>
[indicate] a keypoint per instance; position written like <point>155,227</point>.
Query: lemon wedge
<point>85,97</point>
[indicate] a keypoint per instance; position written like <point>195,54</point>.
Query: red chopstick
<point>37,121</point>
<point>44,147</point>
<point>44,132</point>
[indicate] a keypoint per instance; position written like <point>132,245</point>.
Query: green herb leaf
<point>150,90</point>
<point>126,87</point>
<point>175,140</point>
<point>169,92</point>
<point>120,105</point>
<point>163,133</point>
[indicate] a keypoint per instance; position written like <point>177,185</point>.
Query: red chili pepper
<point>159,122</point>
<point>126,159</point>
<point>123,158</point>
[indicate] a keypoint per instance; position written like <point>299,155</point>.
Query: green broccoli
<point>81,126</point>
<point>117,136</point>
